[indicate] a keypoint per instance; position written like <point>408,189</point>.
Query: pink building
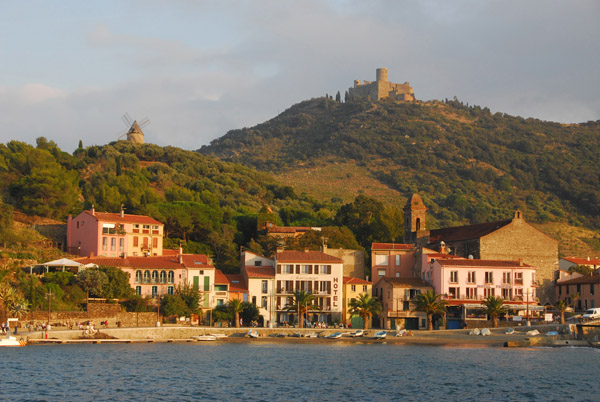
<point>582,291</point>
<point>392,260</point>
<point>107,234</point>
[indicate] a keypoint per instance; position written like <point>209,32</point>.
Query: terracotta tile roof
<point>168,251</point>
<point>406,282</point>
<point>391,246</point>
<point>581,280</point>
<point>467,232</point>
<point>220,278</point>
<point>306,256</point>
<point>260,272</point>
<point>445,256</point>
<point>583,261</point>
<point>236,283</point>
<point>154,262</point>
<point>127,218</point>
<point>288,229</point>
<point>483,263</point>
<point>356,281</point>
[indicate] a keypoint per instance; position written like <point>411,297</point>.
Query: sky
<point>196,69</point>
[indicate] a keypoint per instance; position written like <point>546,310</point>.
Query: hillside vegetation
<point>468,165</point>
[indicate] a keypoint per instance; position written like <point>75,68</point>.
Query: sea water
<point>297,372</point>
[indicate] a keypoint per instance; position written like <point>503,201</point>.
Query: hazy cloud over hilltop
<point>198,69</point>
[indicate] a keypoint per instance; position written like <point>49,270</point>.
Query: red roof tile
<point>220,278</point>
<point>581,280</point>
<point>260,272</point>
<point>306,256</point>
<point>483,263</point>
<point>356,281</point>
<point>236,283</point>
<point>583,261</point>
<point>406,282</point>
<point>467,232</point>
<point>391,246</point>
<point>127,218</point>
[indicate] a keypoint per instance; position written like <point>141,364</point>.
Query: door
<point>411,324</point>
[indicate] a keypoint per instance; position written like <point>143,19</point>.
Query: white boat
<point>357,333</point>
<point>252,333</point>
<point>380,335</point>
<point>475,331</point>
<point>485,332</point>
<point>311,335</point>
<point>533,332</point>
<point>11,340</point>
<point>509,331</point>
<point>205,338</point>
<point>219,336</point>
<point>335,335</point>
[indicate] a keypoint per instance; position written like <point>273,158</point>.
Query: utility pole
<point>49,294</point>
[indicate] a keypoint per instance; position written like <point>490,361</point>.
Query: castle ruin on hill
<point>382,88</point>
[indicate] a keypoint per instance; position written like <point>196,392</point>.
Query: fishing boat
<point>11,340</point>
<point>380,335</point>
<point>335,335</point>
<point>357,333</point>
<point>252,333</point>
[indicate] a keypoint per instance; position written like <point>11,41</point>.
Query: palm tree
<point>430,303</point>
<point>562,306</point>
<point>302,303</point>
<point>236,307</point>
<point>8,295</point>
<point>494,306</point>
<point>365,306</point>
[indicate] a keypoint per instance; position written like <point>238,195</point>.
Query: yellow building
<point>353,288</point>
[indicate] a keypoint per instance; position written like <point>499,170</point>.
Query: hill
<point>468,165</point>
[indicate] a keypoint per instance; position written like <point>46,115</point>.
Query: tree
<point>494,306</point>
<point>190,295</point>
<point>92,281</point>
<point>8,295</point>
<point>174,305</point>
<point>117,283</point>
<point>581,269</point>
<point>365,306</point>
<point>364,218</point>
<point>302,302</point>
<point>236,308</point>
<point>430,303</point>
<point>250,312</point>
<point>338,97</point>
<point>562,306</point>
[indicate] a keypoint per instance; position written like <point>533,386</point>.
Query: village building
<point>313,272</point>
<point>398,309</point>
<point>353,260</point>
<point>394,260</point>
<point>106,234</point>
<point>507,240</point>
<point>567,262</point>
<point>581,292</point>
<point>259,275</point>
<point>353,289</point>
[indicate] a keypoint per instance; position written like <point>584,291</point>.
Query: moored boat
<point>335,335</point>
<point>11,340</point>
<point>205,338</point>
<point>380,335</point>
<point>253,333</point>
<point>357,333</point>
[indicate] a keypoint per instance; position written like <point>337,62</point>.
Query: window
<point>489,277</point>
<point>591,289</point>
<point>398,260</point>
<point>146,276</point>
<point>560,289</point>
<point>254,300</point>
<point>453,293</point>
<point>170,290</point>
<point>138,290</point>
<point>219,302</point>
<point>257,263</point>
<point>288,269</point>
<point>155,242</point>
<point>506,278</point>
<point>104,243</point>
<point>135,241</point>
<point>138,276</point>
<point>365,288</point>
<point>304,269</point>
<point>518,278</point>
<point>316,269</point>
<point>265,286</point>
<point>506,294</point>
<point>154,291</point>
<point>381,272</point>
<point>263,302</point>
<point>121,244</point>
<point>171,277</point>
<point>154,276</point>
<point>155,227</point>
<point>381,259</point>
<point>471,277</point>
<point>567,288</point>
<point>488,292</point>
<point>453,276</point>
<point>163,277</point>
<point>113,244</point>
<point>353,288</point>
<point>519,292</point>
<point>472,293</point>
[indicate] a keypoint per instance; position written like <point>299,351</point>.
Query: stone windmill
<point>135,133</point>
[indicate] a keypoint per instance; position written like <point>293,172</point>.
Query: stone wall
<point>97,313</point>
<point>354,261</point>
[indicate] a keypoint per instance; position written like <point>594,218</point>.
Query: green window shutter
<point>196,282</point>
<point>206,283</point>
<point>205,300</point>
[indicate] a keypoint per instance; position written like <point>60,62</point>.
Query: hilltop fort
<point>382,88</point>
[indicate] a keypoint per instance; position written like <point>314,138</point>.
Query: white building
<point>259,275</point>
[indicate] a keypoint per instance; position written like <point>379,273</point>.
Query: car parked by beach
<point>592,314</point>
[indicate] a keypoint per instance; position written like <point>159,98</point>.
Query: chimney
<point>91,254</point>
<point>122,213</point>
<point>520,262</point>
<point>306,250</point>
<point>180,255</point>
<point>588,258</point>
<point>280,249</point>
<point>93,211</point>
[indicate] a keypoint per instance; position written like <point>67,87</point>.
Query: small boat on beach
<point>311,335</point>
<point>205,338</point>
<point>357,333</point>
<point>335,335</point>
<point>219,336</point>
<point>380,335</point>
<point>252,333</point>
<point>485,332</point>
<point>12,341</point>
<point>509,331</point>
